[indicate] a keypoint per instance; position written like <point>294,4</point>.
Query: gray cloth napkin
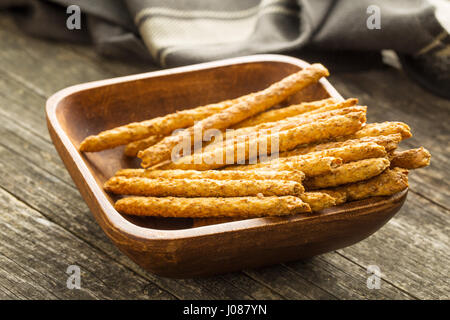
<point>180,32</point>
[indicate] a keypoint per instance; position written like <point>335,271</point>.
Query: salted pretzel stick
<point>294,110</point>
<point>293,175</point>
<point>345,154</point>
<point>309,166</point>
<point>388,183</point>
<point>410,159</point>
<point>245,108</point>
<point>132,149</point>
<point>340,108</point>
<point>245,207</point>
<point>165,125</point>
<point>348,173</point>
<point>351,152</point>
<point>201,187</point>
<point>382,129</point>
<point>281,125</point>
<point>373,132</point>
<point>389,142</point>
<point>287,140</point>
<point>282,113</point>
<point>317,200</point>
<point>160,126</point>
<point>288,123</point>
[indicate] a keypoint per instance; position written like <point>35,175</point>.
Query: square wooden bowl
<point>177,247</point>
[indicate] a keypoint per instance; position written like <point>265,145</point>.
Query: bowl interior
<point>100,108</point>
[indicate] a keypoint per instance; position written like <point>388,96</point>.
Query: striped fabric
<point>179,32</point>
<point>261,26</point>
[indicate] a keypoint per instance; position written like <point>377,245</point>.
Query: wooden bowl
<point>177,247</point>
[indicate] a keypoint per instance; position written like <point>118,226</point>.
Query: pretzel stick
<point>395,133</point>
<point>160,126</point>
<point>410,159</point>
<point>382,129</point>
<point>289,139</point>
<point>281,125</point>
<point>317,200</point>
<point>309,166</point>
<point>348,173</point>
<point>245,108</point>
<point>388,183</point>
<point>293,110</point>
<point>309,117</point>
<point>389,143</point>
<point>293,175</point>
<point>245,207</point>
<point>201,187</point>
<point>345,153</point>
<point>132,149</point>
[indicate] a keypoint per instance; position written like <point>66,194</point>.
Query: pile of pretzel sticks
<point>317,155</point>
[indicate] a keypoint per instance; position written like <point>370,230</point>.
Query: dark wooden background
<point>45,225</point>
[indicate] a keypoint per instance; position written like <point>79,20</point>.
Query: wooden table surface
<point>45,226</point>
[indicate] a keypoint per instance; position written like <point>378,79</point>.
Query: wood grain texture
<point>44,263</point>
<point>23,90</point>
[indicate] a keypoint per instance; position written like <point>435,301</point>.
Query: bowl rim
<point>120,224</point>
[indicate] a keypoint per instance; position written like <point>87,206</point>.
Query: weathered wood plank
<point>6,294</point>
<point>21,281</point>
<point>32,59</point>
<point>36,253</point>
<point>343,278</point>
<point>412,250</point>
<point>252,287</point>
<point>289,284</point>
